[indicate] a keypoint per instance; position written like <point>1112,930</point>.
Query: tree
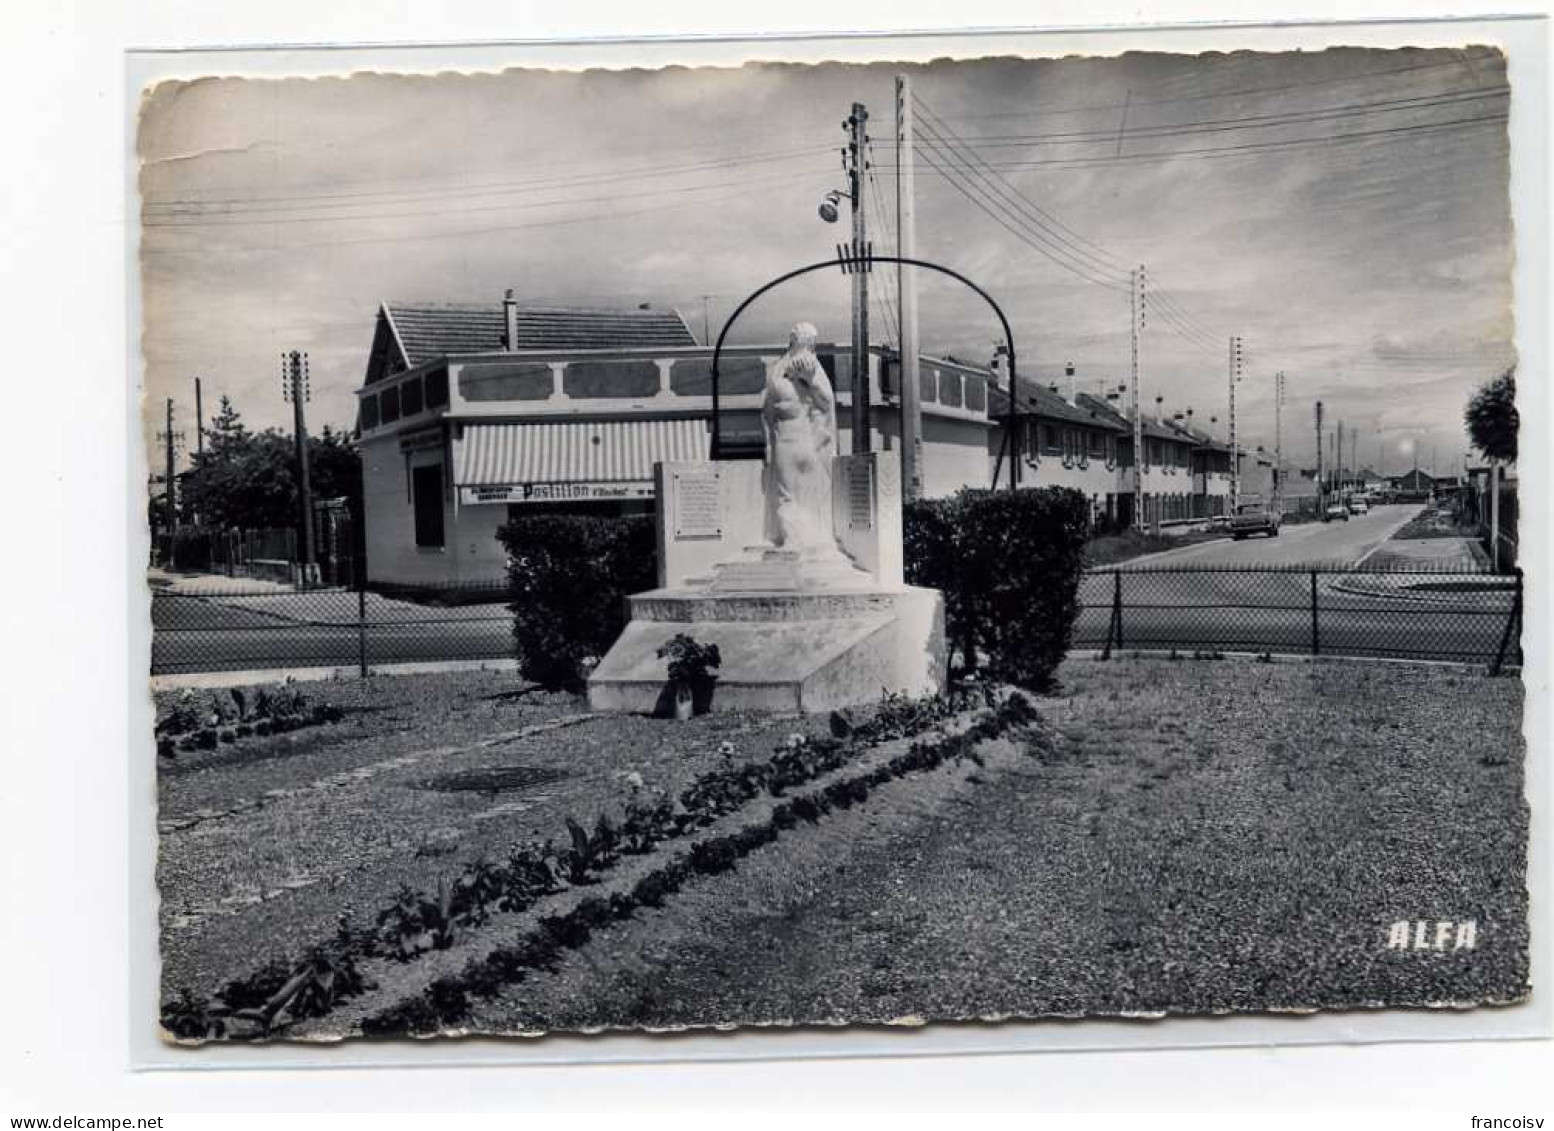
<point>1492,419</point>
<point>248,480</point>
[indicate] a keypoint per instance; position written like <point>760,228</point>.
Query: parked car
<point>1358,505</point>
<point>1254,518</point>
<point>1336,510</point>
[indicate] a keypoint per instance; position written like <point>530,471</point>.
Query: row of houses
<point>470,412</point>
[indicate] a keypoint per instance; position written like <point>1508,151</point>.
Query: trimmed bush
<point>1008,563</point>
<point>569,576</point>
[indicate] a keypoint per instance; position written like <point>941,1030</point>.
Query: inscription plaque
<point>860,495</point>
<point>697,511</point>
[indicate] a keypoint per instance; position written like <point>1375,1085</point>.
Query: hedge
<point>1008,564</point>
<point>569,576</point>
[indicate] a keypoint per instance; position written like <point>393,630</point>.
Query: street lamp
<point>831,205</point>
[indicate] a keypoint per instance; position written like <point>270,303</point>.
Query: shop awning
<point>603,452</point>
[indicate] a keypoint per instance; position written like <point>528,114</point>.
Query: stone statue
<point>799,412</point>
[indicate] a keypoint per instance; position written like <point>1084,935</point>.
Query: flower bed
<point>419,922</point>
<point>205,720</point>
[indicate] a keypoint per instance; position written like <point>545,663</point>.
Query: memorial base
<point>781,651</point>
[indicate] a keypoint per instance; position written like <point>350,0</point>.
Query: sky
<point>1345,213</point>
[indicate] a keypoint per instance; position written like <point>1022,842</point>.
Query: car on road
<point>1359,506</point>
<point>1254,518</point>
<point>1336,511</point>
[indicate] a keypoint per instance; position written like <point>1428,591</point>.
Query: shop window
<point>426,496</point>
<point>737,376</point>
<point>589,380</point>
<point>950,390</point>
<point>531,381</point>
<point>976,394</point>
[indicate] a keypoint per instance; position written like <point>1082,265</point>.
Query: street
<point>1296,596</point>
<point>1336,544</point>
<point>208,634</point>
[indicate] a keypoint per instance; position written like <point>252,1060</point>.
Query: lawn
<point>1113,549</point>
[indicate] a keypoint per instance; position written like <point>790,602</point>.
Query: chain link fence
<point>1458,616</point>
<point>1472,617</point>
<point>224,626</point>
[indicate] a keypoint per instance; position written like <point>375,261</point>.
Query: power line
<point>1002,217</point>
<point>238,205</point>
<point>1076,242</point>
<point>490,229</point>
<point>1245,92</point>
<point>1218,151</point>
<point>231,222</point>
<point>1245,122</point>
<point>611,166</point>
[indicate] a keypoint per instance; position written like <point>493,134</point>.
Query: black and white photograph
<point>1010,538</point>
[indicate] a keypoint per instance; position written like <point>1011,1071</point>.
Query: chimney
<point>1160,410</point>
<point>510,309</point>
<point>1112,394</point>
<point>1072,391</point>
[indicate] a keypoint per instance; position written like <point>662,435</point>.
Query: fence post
<point>1513,623</point>
<point>361,630</point>
<point>1316,639</point>
<point>1114,626</point>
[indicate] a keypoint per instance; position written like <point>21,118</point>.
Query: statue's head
<point>803,338</point>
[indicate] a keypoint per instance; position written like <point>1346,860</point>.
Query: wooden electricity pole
<point>297,388</point>
<point>906,296</point>
<point>857,147</point>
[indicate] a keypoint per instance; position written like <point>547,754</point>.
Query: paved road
<point>1325,543</point>
<point>1176,600</point>
<point>204,634</point>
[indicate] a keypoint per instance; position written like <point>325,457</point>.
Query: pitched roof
<point>426,331</point>
<point>1040,401</point>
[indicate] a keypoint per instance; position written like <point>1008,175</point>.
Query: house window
<point>369,411</point>
<point>410,397</point>
<point>1097,442</point>
<point>1049,438</point>
<point>426,495</point>
<point>437,388</point>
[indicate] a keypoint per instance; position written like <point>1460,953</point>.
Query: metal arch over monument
<point>791,566</point>
<point>851,260</point>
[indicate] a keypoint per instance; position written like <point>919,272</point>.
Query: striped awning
<point>609,451</point>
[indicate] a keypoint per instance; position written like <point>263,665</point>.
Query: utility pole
<point>857,147</point>
<point>199,418</point>
<point>170,439</point>
<point>706,320</point>
<point>1339,462</point>
<point>906,295</point>
<point>1235,456</point>
<point>1321,483</point>
<point>1137,300</point>
<point>1278,440</point>
<point>297,388</point>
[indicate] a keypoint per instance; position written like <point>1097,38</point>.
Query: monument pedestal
<point>781,650</point>
<point>798,630</point>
